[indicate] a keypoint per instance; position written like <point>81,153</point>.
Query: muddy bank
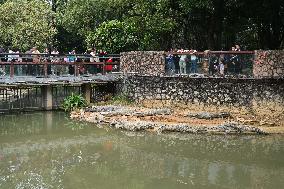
<point>170,120</point>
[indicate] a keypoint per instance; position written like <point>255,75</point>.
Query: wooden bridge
<point>42,81</point>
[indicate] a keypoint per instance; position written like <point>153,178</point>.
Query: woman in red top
<point>108,66</point>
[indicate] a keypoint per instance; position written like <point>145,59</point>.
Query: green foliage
<point>79,19</point>
<point>113,36</point>
<point>123,25</point>
<point>24,24</point>
<point>74,102</point>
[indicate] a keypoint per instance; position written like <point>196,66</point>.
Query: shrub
<point>74,102</point>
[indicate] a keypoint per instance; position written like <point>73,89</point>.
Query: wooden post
<point>46,92</point>
<point>104,72</point>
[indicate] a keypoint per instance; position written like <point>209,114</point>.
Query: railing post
<point>45,69</point>
<point>104,71</point>
<point>12,70</point>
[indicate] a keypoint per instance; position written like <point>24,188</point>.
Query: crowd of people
<point>180,61</point>
<point>190,62</point>
<point>53,56</point>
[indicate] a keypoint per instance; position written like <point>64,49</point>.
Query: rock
<point>207,115</point>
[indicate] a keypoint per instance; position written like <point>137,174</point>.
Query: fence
<point>213,63</point>
<point>18,64</point>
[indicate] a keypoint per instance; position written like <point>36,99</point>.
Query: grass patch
<point>117,100</point>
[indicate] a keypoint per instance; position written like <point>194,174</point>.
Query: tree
<point>113,36</point>
<point>24,24</point>
<point>79,19</point>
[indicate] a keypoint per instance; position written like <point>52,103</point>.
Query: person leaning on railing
<point>94,58</point>
<point>36,59</point>
<point>213,64</point>
<point>108,66</point>
<point>182,62</point>
<point>176,62</point>
<point>72,59</point>
<point>170,63</point>
<point>2,59</point>
<point>193,60</point>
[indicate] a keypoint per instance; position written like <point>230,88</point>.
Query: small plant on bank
<point>116,100</point>
<point>74,102</point>
<point>121,100</point>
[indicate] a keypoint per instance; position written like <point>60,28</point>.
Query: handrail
<point>214,52</point>
<point>32,59</point>
<point>50,55</point>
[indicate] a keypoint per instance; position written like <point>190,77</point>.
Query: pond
<point>48,150</point>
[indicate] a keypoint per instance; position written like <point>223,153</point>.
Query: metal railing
<point>19,64</point>
<point>211,63</point>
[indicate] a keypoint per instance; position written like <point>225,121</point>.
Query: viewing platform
<point>6,81</point>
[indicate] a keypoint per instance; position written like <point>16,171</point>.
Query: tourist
<point>213,64</point>
<point>55,58</point>
<point>221,68</point>
<point>235,61</point>
<point>182,62</point>
<point>193,60</point>
<point>28,58</point>
<point>93,59</point>
<point>10,55</point>
<point>93,55</point>
<point>231,65</point>
<point>47,58</point>
<point>36,60</point>
<point>108,66</point>
<point>205,63</point>
<point>57,69</point>
<point>72,59</point>
<point>237,48</point>
<point>36,56</point>
<point>176,62</point>
<point>17,56</point>
<point>226,63</point>
<point>47,55</point>
<point>238,60</point>
<point>170,63</point>
<point>102,56</point>
<point>2,59</point>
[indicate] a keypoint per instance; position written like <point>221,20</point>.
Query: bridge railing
<point>212,63</point>
<point>43,65</point>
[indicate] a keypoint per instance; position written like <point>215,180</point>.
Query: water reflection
<point>47,150</point>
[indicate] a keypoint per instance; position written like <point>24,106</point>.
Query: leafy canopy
<point>26,23</point>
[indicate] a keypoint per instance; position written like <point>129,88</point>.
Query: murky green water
<point>47,150</point>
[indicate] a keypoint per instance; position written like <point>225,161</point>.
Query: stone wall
<point>269,64</point>
<point>207,91</point>
<point>143,62</point>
